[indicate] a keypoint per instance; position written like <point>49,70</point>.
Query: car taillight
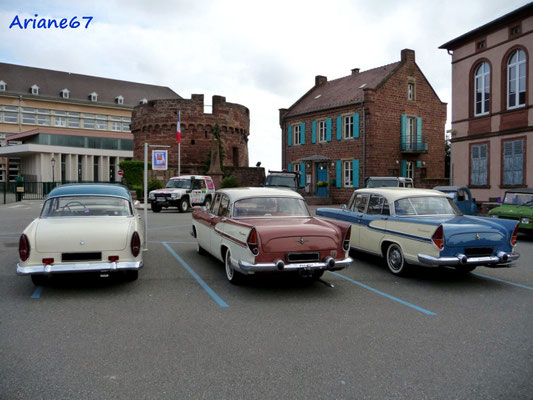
<point>115,258</point>
<point>24,247</point>
<point>514,236</point>
<point>438,237</point>
<point>252,242</point>
<point>135,244</point>
<point>346,241</point>
<point>48,261</point>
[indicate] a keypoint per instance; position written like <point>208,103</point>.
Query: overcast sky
<point>261,54</point>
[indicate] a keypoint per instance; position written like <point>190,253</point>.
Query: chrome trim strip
<point>246,267</point>
<point>456,260</point>
<point>86,267</point>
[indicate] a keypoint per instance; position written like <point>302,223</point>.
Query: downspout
<point>364,143</point>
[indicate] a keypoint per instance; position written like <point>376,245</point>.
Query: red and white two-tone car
<point>256,230</point>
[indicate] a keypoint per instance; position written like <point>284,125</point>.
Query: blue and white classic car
<point>424,227</point>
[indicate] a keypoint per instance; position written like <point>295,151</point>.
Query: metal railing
<point>414,146</point>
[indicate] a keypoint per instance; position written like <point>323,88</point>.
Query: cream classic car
<point>83,228</point>
<point>257,230</point>
<point>424,227</point>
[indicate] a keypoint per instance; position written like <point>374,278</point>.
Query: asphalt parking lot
<point>182,331</point>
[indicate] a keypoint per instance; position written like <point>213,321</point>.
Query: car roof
<point>449,187</point>
<point>246,192</point>
<point>393,193</point>
<point>383,178</point>
<point>96,189</point>
<point>523,190</point>
<point>190,176</point>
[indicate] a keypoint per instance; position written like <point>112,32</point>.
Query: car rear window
<point>86,206</point>
<point>270,207</point>
<point>426,205</point>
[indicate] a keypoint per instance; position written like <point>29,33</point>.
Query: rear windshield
<point>373,183</point>
<point>283,181</point>
<point>179,184</point>
<point>519,199</point>
<point>86,206</point>
<point>268,207</point>
<point>426,205</point>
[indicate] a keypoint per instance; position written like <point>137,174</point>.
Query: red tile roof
<point>341,91</point>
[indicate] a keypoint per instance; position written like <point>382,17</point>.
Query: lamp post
<point>53,162</point>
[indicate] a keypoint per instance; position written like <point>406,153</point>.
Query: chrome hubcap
<point>229,269</point>
<point>395,259</point>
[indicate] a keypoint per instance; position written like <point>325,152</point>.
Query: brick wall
<point>155,122</point>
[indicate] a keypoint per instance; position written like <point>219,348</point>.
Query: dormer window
<point>119,99</point>
<point>65,93</point>
<point>93,96</point>
<point>34,89</point>
<point>3,86</point>
<point>143,101</point>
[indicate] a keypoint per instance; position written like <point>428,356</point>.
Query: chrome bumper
<point>66,268</point>
<point>280,266</point>
<point>460,259</point>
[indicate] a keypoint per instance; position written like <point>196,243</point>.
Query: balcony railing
<point>414,146</point>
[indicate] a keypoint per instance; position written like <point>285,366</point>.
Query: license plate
<point>161,199</point>
<point>307,266</point>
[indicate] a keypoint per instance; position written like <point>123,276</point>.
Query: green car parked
<point>517,205</point>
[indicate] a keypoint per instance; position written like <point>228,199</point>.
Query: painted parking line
<point>37,292</point>
<point>405,303</point>
<point>501,280</point>
<point>172,242</point>
<point>204,285</point>
<point>168,227</point>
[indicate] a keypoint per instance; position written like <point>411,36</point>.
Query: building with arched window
<point>492,105</point>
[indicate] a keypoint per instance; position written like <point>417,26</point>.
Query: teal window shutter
<point>355,165</point>
<point>338,173</point>
<point>328,130</point>
<point>419,164</point>
<point>339,128</point>
<point>289,136</point>
<point>356,125</point>
<point>302,133</point>
<point>313,132</point>
<point>403,165</point>
<point>302,174</point>
<point>419,132</point>
<point>289,167</point>
<point>403,131</point>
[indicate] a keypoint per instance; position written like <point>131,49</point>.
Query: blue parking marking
<point>405,303</point>
<point>204,285</point>
<point>37,292</point>
<point>501,280</point>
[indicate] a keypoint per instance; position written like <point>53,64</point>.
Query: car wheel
<point>131,275</point>
<point>199,249</point>
<point>395,260</point>
<point>39,280</point>
<point>233,276</point>
<point>184,205</point>
<point>207,203</point>
<point>156,208</point>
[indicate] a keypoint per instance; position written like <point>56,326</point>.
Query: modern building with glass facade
<point>66,127</point>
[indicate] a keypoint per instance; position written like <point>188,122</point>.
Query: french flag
<point>178,128</point>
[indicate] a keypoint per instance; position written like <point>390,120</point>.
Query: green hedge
<point>133,172</point>
<point>229,182</point>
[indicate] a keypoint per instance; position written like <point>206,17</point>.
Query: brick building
<point>387,121</point>
<point>155,122</point>
<point>492,105</point>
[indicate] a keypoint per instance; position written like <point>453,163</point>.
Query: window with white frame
<point>119,99</point>
<point>93,96</point>
<point>410,91</point>
<point>65,93</point>
<point>482,89</point>
<point>126,124</point>
<point>513,162</point>
<point>410,134</point>
<point>3,86</point>
<point>296,132</point>
<point>60,118</point>
<point>478,164</point>
<point>348,126</point>
<point>347,173</point>
<point>11,115</point>
<point>101,122</point>
<point>409,167</point>
<point>143,101</point>
<point>516,79</point>
<point>296,167</point>
<point>28,116</point>
<point>35,89</point>
<point>322,131</point>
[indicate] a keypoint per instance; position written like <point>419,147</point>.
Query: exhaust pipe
<point>330,262</point>
<point>462,258</point>
<point>279,264</point>
<point>504,257</point>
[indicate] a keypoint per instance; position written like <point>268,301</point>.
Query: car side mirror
<point>343,207</point>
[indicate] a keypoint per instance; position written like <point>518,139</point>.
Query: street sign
<point>120,172</point>
<point>160,160</point>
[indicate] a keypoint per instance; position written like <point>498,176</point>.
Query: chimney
<point>319,80</point>
<point>408,55</point>
<point>355,71</point>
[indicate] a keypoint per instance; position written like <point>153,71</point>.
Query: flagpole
<point>179,146</point>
